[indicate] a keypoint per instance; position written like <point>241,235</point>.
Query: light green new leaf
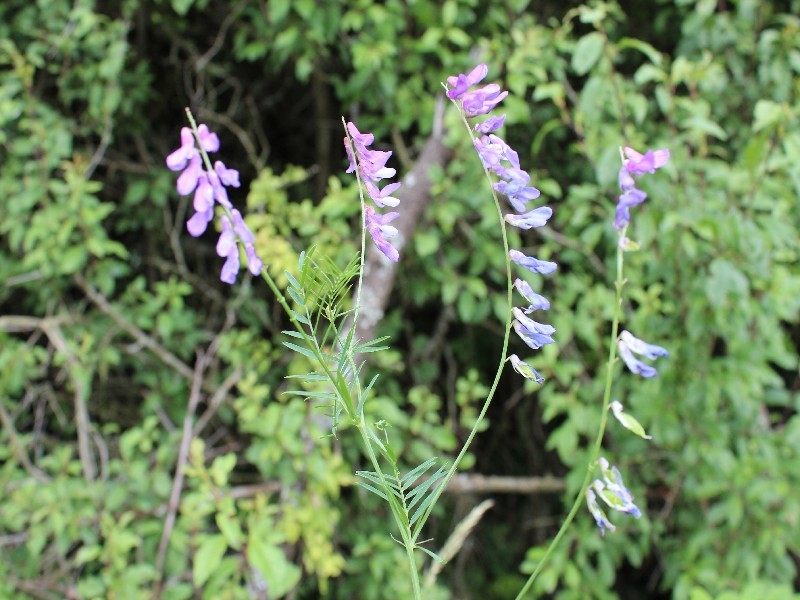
<point>628,422</point>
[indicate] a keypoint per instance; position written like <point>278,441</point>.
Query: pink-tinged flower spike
<point>459,84</point>
<point>380,231</point>
<point>534,265</point>
<point>536,301</point>
<point>639,164</point>
<point>210,186</point>
<point>535,218</point>
<point>628,345</point>
<point>371,165</point>
<point>524,369</point>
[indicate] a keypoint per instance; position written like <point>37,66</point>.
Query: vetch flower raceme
<point>371,166</point>
<point>210,186</point>
<point>630,345</point>
<point>635,164</point>
<point>500,159</point>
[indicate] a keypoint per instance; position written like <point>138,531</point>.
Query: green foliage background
<point>110,311</point>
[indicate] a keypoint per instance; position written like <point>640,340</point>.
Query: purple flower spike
<point>535,218</point>
<point>208,187</point>
<point>534,265</point>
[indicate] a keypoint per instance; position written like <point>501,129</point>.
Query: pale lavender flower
<point>599,516</point>
<point>535,301</point>
<point>524,369</point>
<point>534,265</point>
<point>628,345</point>
<point>534,339</point>
<point>535,218</point>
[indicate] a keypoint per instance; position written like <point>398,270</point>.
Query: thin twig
<point>183,454</point>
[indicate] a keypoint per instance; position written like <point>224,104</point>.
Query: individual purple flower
<point>380,231</point>
<point>630,345</point>
<point>534,265</point>
<point>534,339</point>
<point>382,197</point>
<point>210,186</point>
<point>524,369</point>
<point>459,84</point>
<point>535,218</point>
<point>482,100</point>
<point>535,301</point>
<point>639,164</point>
<point>491,124</point>
<point>628,198</point>
<point>599,516</point>
<point>530,324</point>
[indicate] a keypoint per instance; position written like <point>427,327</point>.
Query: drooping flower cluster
<point>371,165</point>
<point>500,159</point>
<point>613,492</point>
<point>209,186</point>
<point>635,164</point>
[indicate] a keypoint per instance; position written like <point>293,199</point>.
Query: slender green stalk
<point>441,487</point>
<point>595,452</point>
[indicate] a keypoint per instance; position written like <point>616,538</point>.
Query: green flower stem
<point>595,453</point>
<point>441,487</point>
